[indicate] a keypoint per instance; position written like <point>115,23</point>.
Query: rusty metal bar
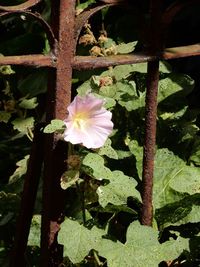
<point>155,44</point>
<point>181,51</point>
<point>91,62</point>
<point>28,199</point>
<point>23,6</point>
<point>55,150</point>
<point>29,60</point>
<point>150,141</point>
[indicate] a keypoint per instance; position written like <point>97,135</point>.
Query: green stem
<point>82,198</point>
<point>97,258</point>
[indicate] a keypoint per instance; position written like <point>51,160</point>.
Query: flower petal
<point>88,122</point>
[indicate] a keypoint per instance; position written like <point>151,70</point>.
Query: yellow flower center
<point>80,120</point>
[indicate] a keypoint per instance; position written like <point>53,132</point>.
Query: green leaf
<point>109,102</point>
<point>4,116</point>
<point>20,171</point>
<point>55,125</point>
<point>22,125</point>
<point>173,84</point>
<point>69,178</point>
<point>107,150</point>
<point>141,248</point>
<point>126,48</point>
<point>34,83</point>
<point>173,179</point>
<point>180,212</point>
<point>167,167</point>
<point>35,231</point>
<point>108,91</point>
<point>187,180</point>
<point>124,71</point>
<point>28,103</point>
<point>137,151</point>
<point>82,6</point>
<point>78,240</point>
<point>120,187</point>
<point>96,163</point>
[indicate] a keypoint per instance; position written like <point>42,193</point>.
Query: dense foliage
<point>103,185</point>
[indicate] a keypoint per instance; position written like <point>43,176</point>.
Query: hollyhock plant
<point>88,122</point>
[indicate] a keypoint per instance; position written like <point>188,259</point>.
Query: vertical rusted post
<point>149,142</point>
<point>155,43</point>
<point>55,149</point>
<point>31,182</point>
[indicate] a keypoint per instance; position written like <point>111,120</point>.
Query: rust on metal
<point>92,62</point>
<point>149,142</point>
<point>62,35</point>
<point>155,44</point>
<point>181,51</point>
<point>29,60</point>
<point>59,97</point>
<point>64,57</point>
<point>28,199</point>
<point>28,4</point>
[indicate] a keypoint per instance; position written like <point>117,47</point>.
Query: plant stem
<point>97,258</point>
<point>82,198</point>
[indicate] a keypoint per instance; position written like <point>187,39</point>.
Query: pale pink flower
<point>88,122</point>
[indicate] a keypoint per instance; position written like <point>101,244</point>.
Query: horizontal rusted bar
<point>23,6</point>
<point>29,60</point>
<point>91,62</point>
<point>181,51</point>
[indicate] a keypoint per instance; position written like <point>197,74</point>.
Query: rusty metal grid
<point>62,35</point>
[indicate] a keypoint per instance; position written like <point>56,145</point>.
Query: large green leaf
<point>137,151</point>
<point>180,212</point>
<point>78,240</point>
<point>173,179</point>
<point>96,163</point>
<point>107,150</point>
<point>141,248</point>
<point>173,84</point>
<point>187,180</point>
<point>167,168</point>
<point>120,187</point>
<point>124,71</point>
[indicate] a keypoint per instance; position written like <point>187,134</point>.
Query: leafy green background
<point>103,186</point>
